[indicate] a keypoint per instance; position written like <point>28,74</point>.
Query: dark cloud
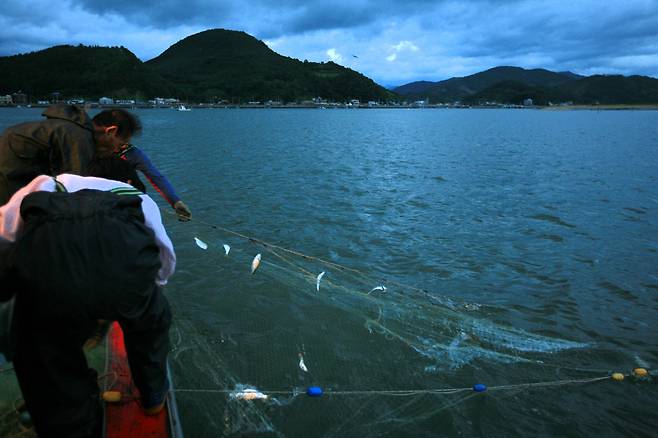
<point>163,13</point>
<point>271,17</point>
<point>453,37</point>
<point>321,15</point>
<point>18,13</point>
<point>586,35</point>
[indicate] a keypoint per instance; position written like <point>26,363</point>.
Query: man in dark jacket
<point>77,250</point>
<point>63,143</point>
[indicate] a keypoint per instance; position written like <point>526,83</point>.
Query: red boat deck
<point>126,418</point>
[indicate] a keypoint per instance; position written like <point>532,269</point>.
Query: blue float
<point>314,391</point>
<point>479,387</point>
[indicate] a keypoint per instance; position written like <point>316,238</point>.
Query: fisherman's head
<point>114,128</point>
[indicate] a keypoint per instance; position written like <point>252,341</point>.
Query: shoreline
<point>614,107</point>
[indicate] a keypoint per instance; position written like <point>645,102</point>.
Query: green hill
<point>456,89</point>
<point>414,88</point>
<point>615,89</point>
<point>588,91</point>
<point>512,85</point>
<point>223,64</point>
<point>81,71</point>
<point>513,92</point>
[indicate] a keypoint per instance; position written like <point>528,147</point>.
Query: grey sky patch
<point>162,13</point>
<point>449,37</point>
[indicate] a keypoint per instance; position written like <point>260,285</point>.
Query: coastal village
<point>20,99</point>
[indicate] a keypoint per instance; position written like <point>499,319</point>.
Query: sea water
<point>517,246</point>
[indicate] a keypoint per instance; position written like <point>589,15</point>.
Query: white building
<point>165,101</point>
<point>106,101</point>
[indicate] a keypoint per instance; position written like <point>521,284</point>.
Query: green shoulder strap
<point>59,187</point>
<point>126,191</point>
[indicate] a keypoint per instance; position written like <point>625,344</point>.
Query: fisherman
<point>63,143</point>
<point>59,295</point>
<point>140,161</point>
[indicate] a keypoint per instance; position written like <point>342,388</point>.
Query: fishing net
<point>389,357</point>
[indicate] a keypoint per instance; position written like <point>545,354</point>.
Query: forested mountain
<point>513,85</point>
<point>592,90</point>
<point>81,71</point>
<point>611,89</point>
<point>414,89</point>
<point>223,64</point>
<point>455,89</point>
<point>514,92</point>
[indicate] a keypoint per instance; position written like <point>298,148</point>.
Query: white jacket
<point>11,222</point>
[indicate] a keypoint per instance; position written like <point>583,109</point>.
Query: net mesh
<point>390,358</point>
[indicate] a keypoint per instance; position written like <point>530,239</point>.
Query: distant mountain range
<point>515,84</point>
<point>233,66</point>
<point>458,88</point>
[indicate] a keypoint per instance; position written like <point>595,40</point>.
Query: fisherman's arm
<point>143,163</point>
<point>153,220</point>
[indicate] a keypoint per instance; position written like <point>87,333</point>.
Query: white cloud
<point>405,45</point>
<point>402,46</point>
<point>334,56</point>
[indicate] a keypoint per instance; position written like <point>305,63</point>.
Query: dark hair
<point>128,124</point>
<point>115,168</point>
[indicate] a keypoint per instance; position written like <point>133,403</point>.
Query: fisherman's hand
<point>183,212</point>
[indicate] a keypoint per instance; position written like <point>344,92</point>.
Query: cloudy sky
<point>392,42</point>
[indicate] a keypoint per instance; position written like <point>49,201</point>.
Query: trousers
<point>60,390</point>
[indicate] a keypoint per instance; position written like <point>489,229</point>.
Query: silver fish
<point>302,365</point>
<point>249,394</point>
<point>226,248</point>
<point>200,243</point>
<point>255,263</point>
<point>317,281</point>
<point>378,288</point>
